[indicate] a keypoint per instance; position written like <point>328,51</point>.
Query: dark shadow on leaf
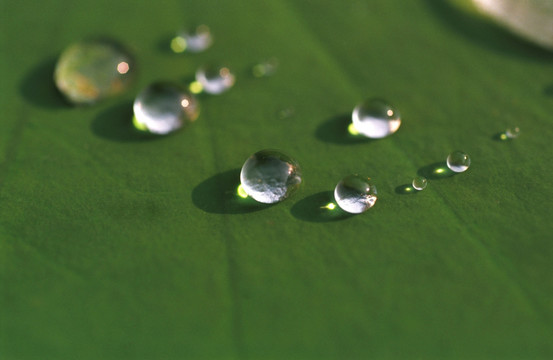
<point>115,124</point>
<point>406,189</point>
<point>164,44</point>
<point>218,195</point>
<point>38,88</point>
<point>314,208</point>
<point>436,171</point>
<point>548,90</point>
<point>500,136</point>
<point>485,32</point>
<point>335,130</point>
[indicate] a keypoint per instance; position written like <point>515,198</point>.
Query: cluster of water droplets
<point>96,69</point>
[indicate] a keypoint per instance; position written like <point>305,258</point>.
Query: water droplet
<point>193,40</point>
<point>512,133</point>
<point>269,176</point>
<point>375,119</point>
<point>355,194</point>
<point>162,108</point>
<point>286,113</point>
<point>215,80</point>
<point>419,183</point>
<point>265,68</point>
<point>91,70</point>
<point>458,161</point>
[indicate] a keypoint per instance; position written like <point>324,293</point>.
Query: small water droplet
<point>215,80</point>
<point>91,70</point>
<point>355,194</point>
<point>265,68</point>
<point>375,119</point>
<point>286,113</point>
<point>458,161</point>
<point>419,183</point>
<point>270,176</point>
<point>512,133</point>
<point>192,40</point>
<point>162,108</point>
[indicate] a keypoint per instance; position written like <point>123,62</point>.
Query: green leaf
<point>114,246</point>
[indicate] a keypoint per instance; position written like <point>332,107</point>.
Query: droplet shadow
<point>314,209</point>
<point>500,136</point>
<point>486,32</point>
<point>436,171</point>
<point>406,189</point>
<point>38,88</point>
<point>115,123</point>
<point>335,130</point>
<point>218,195</point>
<point>548,91</point>
<point>163,45</point>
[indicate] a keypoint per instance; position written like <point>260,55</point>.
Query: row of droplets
<point>95,69</point>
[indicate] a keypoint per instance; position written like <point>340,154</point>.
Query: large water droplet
<point>355,194</point>
<point>214,80</point>
<point>375,119</point>
<point>269,176</point>
<point>162,108</point>
<point>92,70</point>
<point>458,161</point>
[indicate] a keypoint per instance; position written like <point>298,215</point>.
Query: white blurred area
<point>531,19</point>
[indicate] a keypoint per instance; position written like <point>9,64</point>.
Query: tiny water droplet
<point>512,133</point>
<point>355,194</point>
<point>458,161</point>
<point>265,68</point>
<point>92,70</point>
<point>215,80</point>
<point>375,119</point>
<point>192,40</point>
<point>162,108</point>
<point>419,183</point>
<point>270,176</point>
<point>286,113</point>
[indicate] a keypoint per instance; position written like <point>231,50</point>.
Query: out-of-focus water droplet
<point>162,108</point>
<point>530,19</point>
<point>375,119</point>
<point>510,133</point>
<point>91,70</point>
<point>270,176</point>
<point>214,80</point>
<point>458,161</point>
<point>355,194</point>
<point>265,68</point>
<point>286,113</point>
<point>419,183</point>
<point>194,40</point>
